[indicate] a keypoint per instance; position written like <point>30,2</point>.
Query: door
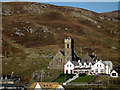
<point>66,71</point>
<point>70,71</point>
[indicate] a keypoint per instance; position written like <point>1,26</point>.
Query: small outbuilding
<point>114,73</point>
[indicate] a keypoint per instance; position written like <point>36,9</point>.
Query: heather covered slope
<point>34,32</point>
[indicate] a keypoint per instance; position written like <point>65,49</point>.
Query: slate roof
<point>74,62</point>
<point>107,62</point>
<point>88,58</point>
<point>62,53</point>
<point>74,56</point>
<point>69,38</point>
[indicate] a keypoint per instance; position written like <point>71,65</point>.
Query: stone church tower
<point>61,58</point>
<point>69,49</point>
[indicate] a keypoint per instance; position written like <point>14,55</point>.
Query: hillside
<point>114,15</point>
<point>34,32</point>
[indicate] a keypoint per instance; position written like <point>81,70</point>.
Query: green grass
<point>63,78</point>
<point>84,78</point>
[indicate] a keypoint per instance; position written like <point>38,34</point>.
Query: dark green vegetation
<point>63,78</point>
<point>84,78</point>
<point>34,32</point>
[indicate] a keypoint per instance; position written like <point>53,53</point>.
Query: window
<point>100,65</point>
<point>67,65</point>
<point>75,71</point>
<point>101,70</point>
<point>97,65</point>
<point>59,61</point>
<point>91,70</point>
<point>96,70</point>
<point>67,45</point>
<point>70,65</point>
<point>113,74</point>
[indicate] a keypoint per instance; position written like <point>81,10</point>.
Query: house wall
<point>115,73</point>
<point>107,69</point>
<point>83,68</point>
<point>68,68</point>
<point>98,68</point>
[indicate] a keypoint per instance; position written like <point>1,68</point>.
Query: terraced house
<point>94,67</point>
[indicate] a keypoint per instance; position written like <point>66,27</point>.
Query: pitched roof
<point>88,58</point>
<point>62,53</point>
<point>74,62</point>
<point>69,38</point>
<point>116,71</point>
<point>45,85</point>
<point>107,62</point>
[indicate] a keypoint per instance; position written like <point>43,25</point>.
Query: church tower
<point>69,45</point>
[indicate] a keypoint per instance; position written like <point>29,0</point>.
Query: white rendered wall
<point>68,66</point>
<point>99,65</point>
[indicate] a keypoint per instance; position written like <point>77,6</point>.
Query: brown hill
<point>114,15</point>
<point>34,32</point>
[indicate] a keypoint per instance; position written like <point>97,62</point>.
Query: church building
<point>62,57</point>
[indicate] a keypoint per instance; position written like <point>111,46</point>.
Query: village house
<point>46,85</point>
<point>94,68</point>
<point>10,82</point>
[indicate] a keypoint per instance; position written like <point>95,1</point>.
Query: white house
<point>114,74</point>
<point>96,67</point>
<point>69,66</point>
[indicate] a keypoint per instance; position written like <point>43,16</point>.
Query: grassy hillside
<point>34,32</point>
